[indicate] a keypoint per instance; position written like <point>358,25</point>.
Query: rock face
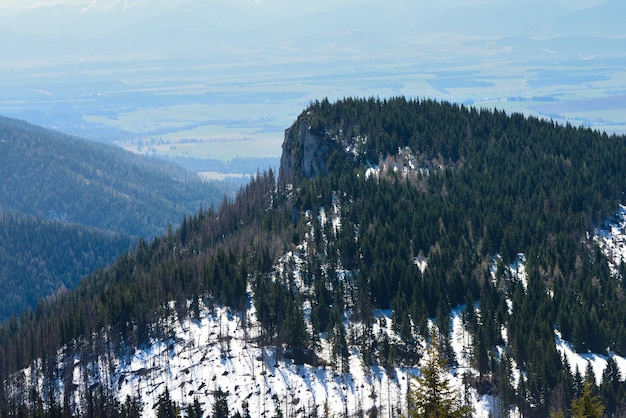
<point>304,153</point>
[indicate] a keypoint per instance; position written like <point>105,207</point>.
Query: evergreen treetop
<point>432,395</point>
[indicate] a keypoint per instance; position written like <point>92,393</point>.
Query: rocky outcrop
<point>304,152</point>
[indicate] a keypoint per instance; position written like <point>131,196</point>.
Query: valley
<point>69,206</point>
<point>201,113</point>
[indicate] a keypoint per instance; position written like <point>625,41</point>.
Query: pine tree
<point>220,407</point>
<point>609,389</point>
<point>433,396</point>
<point>194,410</point>
<point>340,346</point>
<point>131,408</point>
<point>166,407</point>
<point>587,405</point>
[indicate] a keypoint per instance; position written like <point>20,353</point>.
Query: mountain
<point>394,226</point>
<point>69,206</point>
<point>51,175</point>
<point>598,21</point>
<point>40,257</point>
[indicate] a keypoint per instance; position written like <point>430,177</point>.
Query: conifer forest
<point>413,208</point>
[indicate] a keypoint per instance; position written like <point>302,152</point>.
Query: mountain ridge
<point>69,206</point>
<point>92,172</point>
<point>421,211</point>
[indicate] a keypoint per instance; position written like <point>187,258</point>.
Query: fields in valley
<point>209,111</point>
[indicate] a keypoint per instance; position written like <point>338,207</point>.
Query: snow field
<point>217,351</point>
<point>213,353</point>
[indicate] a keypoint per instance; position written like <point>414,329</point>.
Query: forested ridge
<point>69,206</point>
<point>490,184</point>
<point>411,181</point>
<point>56,176</point>
<point>41,257</point>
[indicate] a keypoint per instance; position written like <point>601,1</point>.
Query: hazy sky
<point>9,7</point>
<point>32,30</point>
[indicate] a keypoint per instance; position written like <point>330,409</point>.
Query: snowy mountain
<point>394,227</point>
<point>220,351</point>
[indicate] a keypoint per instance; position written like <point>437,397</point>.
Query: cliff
<point>305,152</point>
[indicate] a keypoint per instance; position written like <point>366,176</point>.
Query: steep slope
<point>395,225</point>
<point>41,257</point>
<point>51,175</point>
<point>69,206</point>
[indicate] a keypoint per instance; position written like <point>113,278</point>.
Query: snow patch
<point>421,263</point>
<point>372,171</point>
<point>580,361</point>
<point>516,269</point>
<point>611,237</point>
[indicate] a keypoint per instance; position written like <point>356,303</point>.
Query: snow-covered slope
<point>221,350</point>
<point>611,237</point>
<point>215,353</point>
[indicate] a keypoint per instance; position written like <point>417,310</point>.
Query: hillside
<point>41,257</point>
<point>69,206</point>
<point>55,176</point>
<point>394,225</point>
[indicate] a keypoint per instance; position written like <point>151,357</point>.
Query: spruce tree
<point>433,396</point>
<point>220,407</point>
<point>587,405</point>
<point>131,408</point>
<point>194,410</point>
<point>166,407</point>
<point>609,388</point>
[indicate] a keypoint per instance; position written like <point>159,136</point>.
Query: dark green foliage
<point>496,184</point>
<point>194,410</point>
<point>131,408</point>
<point>130,295</point>
<point>481,184</point>
<point>39,258</point>
<point>588,405</point>
<point>166,407</point>
<point>432,396</point>
<point>69,206</point>
<point>51,175</point>
<point>611,390</point>
<point>280,312</point>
